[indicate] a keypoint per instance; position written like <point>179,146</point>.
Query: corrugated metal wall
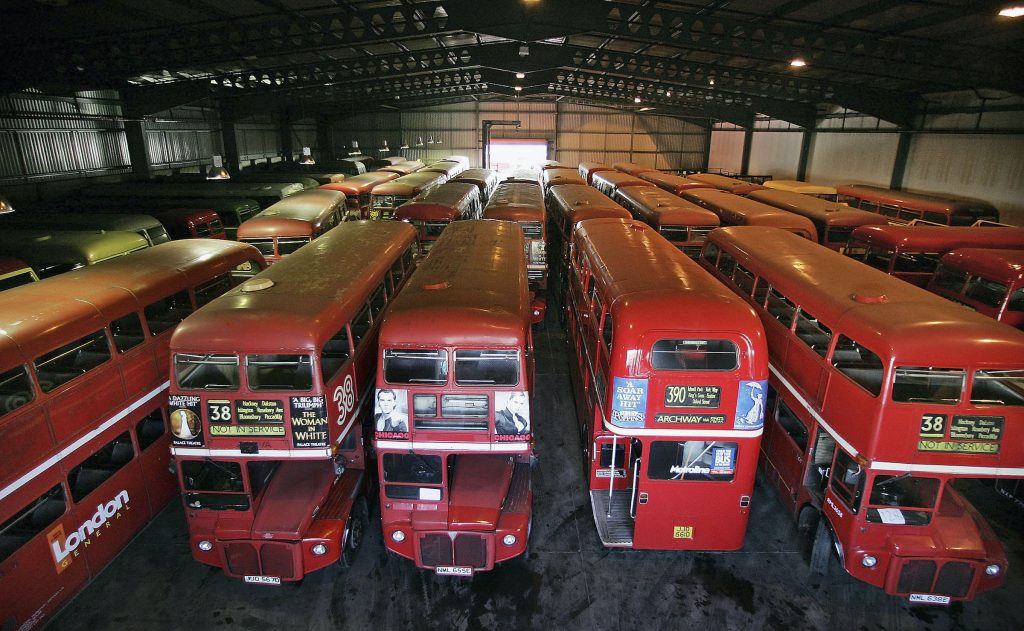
<point>726,151</point>
<point>574,133</point>
<point>854,158</point>
<point>777,153</point>
<point>182,137</point>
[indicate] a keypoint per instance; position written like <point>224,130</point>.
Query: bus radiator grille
<point>435,550</point>
<point>954,579</point>
<point>242,559</point>
<point>278,560</point>
<point>470,550</point>
<point>919,576</point>
<point>466,551</point>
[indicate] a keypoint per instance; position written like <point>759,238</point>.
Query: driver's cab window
<point>848,480</point>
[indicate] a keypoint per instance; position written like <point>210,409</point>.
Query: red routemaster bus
<point>631,168</point>
<point>83,379</point>
<point>357,192</point>
<point>15,272</point>
<point>683,223</point>
<point>291,223</point>
<point>833,221</point>
<point>523,204</point>
<point>453,422</point>
<point>881,394</point>
<point>387,196</point>
<point>904,206</point>
<point>269,393</point>
<point>734,210</point>
<point>674,184</point>
<point>526,176</point>
<point>485,179</point>
<point>609,182</point>
<point>989,281</point>
<point>559,175</point>
<point>669,370</point>
<point>448,168</point>
<point>189,223</point>
<point>567,205</point>
<point>431,212</point>
<point>588,169</point>
<point>912,252</point>
<point>724,183</point>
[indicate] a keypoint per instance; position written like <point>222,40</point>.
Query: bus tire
<point>358,524</point>
<point>821,548</point>
<point>807,527</point>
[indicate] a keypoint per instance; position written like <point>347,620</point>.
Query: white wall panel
<point>855,158</point>
<point>775,153</point>
<point>726,151</point>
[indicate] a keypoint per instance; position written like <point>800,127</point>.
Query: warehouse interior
<point>922,95</point>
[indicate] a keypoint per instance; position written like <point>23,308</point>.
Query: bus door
<point>155,454</point>
<point>612,487</point>
<point>784,445</point>
<point>684,496</point>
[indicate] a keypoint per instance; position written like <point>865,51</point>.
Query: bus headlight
<point>398,536</point>
<point>869,561</point>
<point>320,549</point>
<point>205,545</point>
<point>509,540</point>
<point>993,570</point>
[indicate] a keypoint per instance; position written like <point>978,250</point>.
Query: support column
<point>899,166</point>
<point>228,139</point>
<point>287,143</point>
<point>706,160</point>
<point>324,139</point>
<point>135,134</point>
<point>748,137</point>
<point>805,153</point>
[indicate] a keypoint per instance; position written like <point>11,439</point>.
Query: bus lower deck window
<point>31,520</point>
<point>676,354</point>
<point>214,485</point>
<point>902,500</point>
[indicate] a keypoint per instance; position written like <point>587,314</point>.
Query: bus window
<point>781,308</point>
<point>692,460</point>
<point>744,279</point>
<point>412,469</point>
<point>279,372</point>
<point>987,292</point>
<point>214,485</point>
<point>761,288</point>
<point>206,372</point>
<point>287,245</point>
<point>925,262</point>
<point>71,360</point>
<point>710,253</point>
<point>813,333</point>
<point>595,304</point>
<point>264,245</point>
<point>694,355</point>
<point>334,355</point>
<point>167,312</point>
<point>150,428</point>
<point>415,366</point>
<point>492,367</point>
<point>606,330</point>
<point>377,301</point>
<point>360,325</point>
<point>100,466</point>
<point>848,480</point>
<point>15,389</point>
<point>928,385</point>
<point>31,520</point>
<point>127,332</point>
<point>458,411</point>
<point>610,451</point>
<point>1016,302</point>
<point>999,387</point>
<point>396,275</point>
<point>859,364</point>
<point>876,258</point>
<point>950,279</point>
<point>790,424</point>
<point>207,292</point>
<point>902,499</point>
<point>407,259</point>
<point>726,264</point>
<point>260,472</point>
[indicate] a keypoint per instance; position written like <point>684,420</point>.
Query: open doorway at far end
<point>509,154</point>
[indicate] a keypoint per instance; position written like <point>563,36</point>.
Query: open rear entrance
<point>508,154</point>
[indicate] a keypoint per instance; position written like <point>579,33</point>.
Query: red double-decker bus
<point>669,370</point>
<point>484,179</point>
<point>725,183</point>
<point>15,272</point>
<point>525,176</point>
<point>674,184</point>
<point>881,394</point>
<point>402,168</point>
<point>523,204</point>
<point>559,175</point>
<point>833,221</point>
<point>609,182</point>
<point>449,167</point>
<point>734,210</point>
<point>387,196</point>
<point>989,281</point>
<point>569,204</point>
<point>912,252</point>
<point>683,223</point>
<point>357,192</point>
<point>291,223</point>
<point>588,169</point>
<point>631,168</point>
<point>453,422</point>
<point>431,212</point>
<point>83,380</point>
<point>905,207</point>
<point>269,392</point>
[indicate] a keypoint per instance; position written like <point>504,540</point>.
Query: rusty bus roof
<point>471,291</point>
<point>50,247</point>
<point>445,201</point>
<point>815,209</point>
<point>579,202</point>
<point>299,215</point>
<point>402,168</point>
<point>631,168</point>
<point>923,238</point>
<point>560,175</point>
<point>735,210</point>
<point>525,176</point>
<point>588,169</point>
<point>672,183</point>
<point>800,187</point>
<point>362,183</point>
<point>516,201</point>
<point>409,185</point>
<point>447,168</point>
<point>662,208</point>
<point>482,178</point>
<point>1000,265</point>
<point>616,179</point>
<point>315,291</point>
<point>724,183</point>
<point>943,204</point>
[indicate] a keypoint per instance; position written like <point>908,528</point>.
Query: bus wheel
<point>821,548</point>
<point>357,526</point>
<point>807,527</point>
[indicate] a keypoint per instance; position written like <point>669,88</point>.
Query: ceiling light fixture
<point>524,50</point>
<point>217,170</point>
<point>636,99</point>
<point>355,148</point>
<point>307,157</point>
<point>797,63</point>
<point>519,88</point>
<point>711,82</point>
<point>1012,12</point>
<point>668,93</point>
<point>384,148</point>
<point>5,206</point>
<point>419,141</point>
<point>520,75</point>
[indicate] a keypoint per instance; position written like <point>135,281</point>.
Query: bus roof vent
<point>441,285</point>
<point>256,284</point>
<point>870,298</point>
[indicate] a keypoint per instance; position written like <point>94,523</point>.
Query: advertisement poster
<point>186,420</point>
<point>309,421</point>
<point>512,418</point>
<point>629,402</point>
<point>750,405</point>
<point>391,413</point>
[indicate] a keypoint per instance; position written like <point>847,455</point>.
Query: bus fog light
<point>509,540</point>
<point>993,570</point>
<point>869,561</point>
<point>320,549</point>
<point>205,545</point>
<point>398,536</point>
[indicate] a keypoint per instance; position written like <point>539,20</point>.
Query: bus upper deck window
<point>195,371</point>
<point>676,354</point>
<point>998,387</point>
<point>216,287</point>
<point>15,389</point>
<point>928,385</point>
<point>287,245</point>
<point>127,332</point>
<point>61,365</point>
<point>165,313</point>
<point>859,364</point>
<point>415,366</point>
<point>265,245</point>
<point>917,262</point>
<point>710,253</point>
<point>1016,302</point>
<point>279,372</point>
<point>950,279</point>
<point>987,292</point>
<point>487,367</point>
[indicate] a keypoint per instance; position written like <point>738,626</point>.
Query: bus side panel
<point>26,439</point>
<point>155,462</point>
<point>100,389</point>
<point>141,372</point>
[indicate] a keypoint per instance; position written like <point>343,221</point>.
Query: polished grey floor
<point>568,581</point>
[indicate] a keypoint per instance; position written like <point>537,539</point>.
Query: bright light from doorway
<point>509,154</point>
<point>1012,12</point>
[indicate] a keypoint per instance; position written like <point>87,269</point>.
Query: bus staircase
<point>613,517</point>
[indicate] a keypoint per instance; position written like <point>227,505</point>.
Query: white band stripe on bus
<point>423,444</point>
<point>284,454</point>
<point>65,452</point>
<point>898,466</point>
<point>694,433</point>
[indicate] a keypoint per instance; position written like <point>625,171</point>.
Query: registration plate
<point>453,570</point>
<point>929,599</point>
<point>263,580</point>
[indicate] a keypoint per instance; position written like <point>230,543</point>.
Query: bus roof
<point>944,204</point>
<point>315,291</point>
<point>1001,265</point>
<point>185,216</point>
<point>735,210</point>
<point>445,201</point>
<point>666,209</point>
<point>394,159</point>
<point>480,177</point>
<point>817,209</point>
<point>588,169</point>
<point>446,167</point>
<point>127,222</point>
<point>409,185</point>
<point>471,291</point>
<point>300,212</point>
<point>803,188</point>
<point>526,176</point>
<point>724,183</point>
<point>60,246</point>
<point>402,168</point>
<point>615,179</point>
<point>919,238</point>
<point>561,175</point>
<point>552,164</point>
<point>10,264</point>
<point>890,317</point>
<point>672,183</point>
<point>516,201</point>
<point>359,184</point>
<point>631,168</point>
<point>642,270</point>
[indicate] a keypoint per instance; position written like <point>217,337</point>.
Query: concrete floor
<point>569,580</point>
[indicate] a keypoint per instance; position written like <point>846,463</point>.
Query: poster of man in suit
<point>390,411</point>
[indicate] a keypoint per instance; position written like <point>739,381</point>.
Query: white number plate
<point>264,580</point>
<point>929,599</point>
<point>448,570</point>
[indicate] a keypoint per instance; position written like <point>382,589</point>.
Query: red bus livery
<point>569,204</point>
<point>683,223</point>
<point>357,192</point>
<point>989,281</point>
<point>880,395</point>
<point>588,169</point>
<point>431,212</point>
<point>734,210</point>
<point>833,221</point>
<point>631,168</point>
<point>269,393</point>
<point>402,168</point>
<point>291,223</point>
<point>453,404</point>
<point>188,223</point>
<point>15,272</point>
<point>387,196</point>
<point>485,179</point>
<point>523,204</point>
<point>609,182</point>
<point>903,206</point>
<point>669,371</point>
<point>559,175</point>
